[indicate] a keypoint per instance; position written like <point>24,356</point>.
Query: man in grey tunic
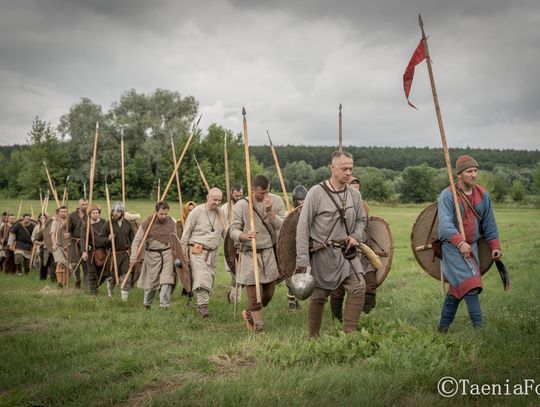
<point>203,230</point>
<point>330,227</point>
<point>268,218</point>
<point>157,269</point>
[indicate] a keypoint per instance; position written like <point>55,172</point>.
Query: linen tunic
<point>266,259</point>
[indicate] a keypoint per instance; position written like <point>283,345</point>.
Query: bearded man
<point>157,271</point>
<point>203,230</point>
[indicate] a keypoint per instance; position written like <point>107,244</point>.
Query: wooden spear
<point>84,190</point>
<point>443,136</point>
<point>111,230</point>
<point>41,200</point>
<point>207,186</point>
<point>165,192</point>
<point>19,211</point>
<point>278,168</point>
<point>205,182</point>
<point>227,180</point>
<point>251,215</point>
<point>65,194</point>
<point>340,125</point>
<point>32,211</point>
<point>91,194</point>
<point>178,189</point>
<point>123,169</point>
<point>53,190</point>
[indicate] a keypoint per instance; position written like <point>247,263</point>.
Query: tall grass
<point>63,347</point>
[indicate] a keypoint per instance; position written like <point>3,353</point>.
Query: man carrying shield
<point>200,240</point>
<point>157,271</point>
<point>330,227</point>
<point>269,214</point>
<point>460,263</point>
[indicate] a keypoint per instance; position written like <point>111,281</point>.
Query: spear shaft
<point>227,180</point>
<point>251,214</point>
<point>441,128</point>
<point>91,195</point>
<point>123,169</point>
<point>278,168</point>
<point>111,230</point>
<point>55,195</point>
<point>179,190</point>
<point>340,132</point>
<point>207,186</point>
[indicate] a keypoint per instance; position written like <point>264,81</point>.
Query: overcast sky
<point>289,63</point>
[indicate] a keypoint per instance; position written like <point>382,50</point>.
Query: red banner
<point>418,56</point>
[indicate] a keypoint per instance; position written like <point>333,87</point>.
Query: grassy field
<point>63,347</point>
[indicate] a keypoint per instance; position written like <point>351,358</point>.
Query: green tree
<point>536,183</point>
<point>517,191</point>
<point>418,185</point>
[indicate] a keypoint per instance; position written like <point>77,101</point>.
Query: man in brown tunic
<point>77,228</point>
<point>330,227</point>
<point>94,252</point>
<point>157,271</point>
<point>123,235</point>
<point>268,218</point>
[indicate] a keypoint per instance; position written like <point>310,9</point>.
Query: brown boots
<point>315,314</point>
<point>351,314</point>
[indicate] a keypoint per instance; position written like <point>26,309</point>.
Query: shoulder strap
<point>272,234</point>
<point>339,210</point>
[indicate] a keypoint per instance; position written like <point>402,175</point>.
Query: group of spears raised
<point>326,245</point>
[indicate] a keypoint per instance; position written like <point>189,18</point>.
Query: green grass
<point>66,348</point>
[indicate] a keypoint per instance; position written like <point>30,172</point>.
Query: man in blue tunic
<point>460,263</point>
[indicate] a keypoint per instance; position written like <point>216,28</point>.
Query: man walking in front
<point>330,227</point>
<point>460,263</point>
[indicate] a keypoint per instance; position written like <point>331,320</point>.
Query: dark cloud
<point>289,63</point>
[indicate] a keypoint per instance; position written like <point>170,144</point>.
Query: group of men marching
<point>332,224</point>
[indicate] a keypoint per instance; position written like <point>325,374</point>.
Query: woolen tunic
<point>319,223</point>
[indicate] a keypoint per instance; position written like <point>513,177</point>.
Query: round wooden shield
<point>379,239</point>
<point>286,245</point>
<point>231,253</point>
<point>424,231</point>
<point>183,272</point>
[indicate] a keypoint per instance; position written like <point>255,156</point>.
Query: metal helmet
<point>299,194</point>
<point>302,285</point>
<point>117,207</point>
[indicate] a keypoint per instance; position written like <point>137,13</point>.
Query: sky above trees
<point>289,63</point>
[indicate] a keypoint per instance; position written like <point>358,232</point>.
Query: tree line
<point>147,122</point>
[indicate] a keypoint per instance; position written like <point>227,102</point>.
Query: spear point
<point>97,125</point>
<point>269,139</point>
<point>340,107</point>
<point>244,112</point>
<point>421,23</point>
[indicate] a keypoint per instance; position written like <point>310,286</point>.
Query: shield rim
<point>484,268</point>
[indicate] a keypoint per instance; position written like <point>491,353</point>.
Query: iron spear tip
<point>269,139</point>
<point>340,107</point>
<point>420,21</point>
<point>198,121</point>
<point>244,111</point>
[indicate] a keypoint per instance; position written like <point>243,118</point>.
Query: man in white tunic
<point>204,228</point>
<point>157,271</point>
<point>268,218</point>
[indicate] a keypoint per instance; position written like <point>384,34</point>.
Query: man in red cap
<point>460,263</point>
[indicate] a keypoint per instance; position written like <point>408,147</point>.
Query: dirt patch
<point>145,396</point>
<point>228,364</point>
